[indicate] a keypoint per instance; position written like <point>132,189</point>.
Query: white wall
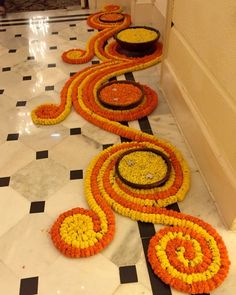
<point>201,62</point>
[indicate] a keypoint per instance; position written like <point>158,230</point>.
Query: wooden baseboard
<point>215,170</point>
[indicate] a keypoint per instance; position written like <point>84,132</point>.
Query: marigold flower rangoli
<point>188,254</point>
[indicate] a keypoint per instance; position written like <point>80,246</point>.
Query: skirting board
<point>221,185</point>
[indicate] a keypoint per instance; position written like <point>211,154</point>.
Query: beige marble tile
<point>6,103</point>
<point>9,282</point>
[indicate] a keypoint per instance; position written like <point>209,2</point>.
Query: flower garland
<point>190,255</point>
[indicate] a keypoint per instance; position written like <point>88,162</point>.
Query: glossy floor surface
<point>33,5</point>
<point>42,168</point>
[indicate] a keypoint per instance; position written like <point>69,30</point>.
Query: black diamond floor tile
<point>41,155</point>
<point>54,33</point>
<point>94,62</point>
<point>21,103</point>
<point>29,286</point>
<point>6,69</point>
<point>128,274</point>
<point>90,30</point>
<point>4,181</point>
<point>18,35</point>
<point>73,38</point>
<point>11,50</point>
<point>72,25</point>
<point>49,88</point>
<point>146,230</point>
<point>27,78</point>
<point>37,207</point>
<point>52,65</point>
<point>13,136</point>
<point>72,74</point>
<point>1,91</point>
<point>53,47</point>
<point>74,131</point>
<point>30,57</point>
<point>76,174</point>
<point>105,146</point>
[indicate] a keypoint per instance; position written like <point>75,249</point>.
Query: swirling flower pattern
<point>188,254</point>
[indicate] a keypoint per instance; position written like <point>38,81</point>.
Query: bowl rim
<point>117,107</point>
<point>139,185</point>
<point>111,21</point>
<point>136,27</point>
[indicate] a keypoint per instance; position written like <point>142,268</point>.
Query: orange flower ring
<point>189,254</point>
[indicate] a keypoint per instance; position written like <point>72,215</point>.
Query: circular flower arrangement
<point>143,168</point>
<point>120,94</point>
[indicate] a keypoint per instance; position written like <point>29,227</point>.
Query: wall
<point>200,70</point>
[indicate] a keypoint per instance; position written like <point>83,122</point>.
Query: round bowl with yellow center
<point>138,38</point>
<point>143,168</point>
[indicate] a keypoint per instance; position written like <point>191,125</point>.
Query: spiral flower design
<point>188,254</point>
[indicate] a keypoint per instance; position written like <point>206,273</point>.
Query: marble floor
<point>42,167</point>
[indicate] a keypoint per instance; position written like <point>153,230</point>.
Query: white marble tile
<point>88,276</point>
<point>40,179</point>
<point>17,120</point>
<point>15,155</point>
<point>74,120</point>
<point>70,196</point>
<point>22,248</point>
<point>133,288</point>
<point>12,59</point>
<point>9,282</point>
<point>3,50</point>
<point>45,137</point>
<point>16,42</point>
<point>142,272</point>
<point>76,152</point>
<point>29,67</point>
<point>25,89</point>
<point>10,199</point>
<point>126,247</point>
<point>9,80</point>
<point>6,103</point>
<point>99,135</point>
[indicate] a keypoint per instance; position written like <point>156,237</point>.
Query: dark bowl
<point>120,107</point>
<point>140,46</point>
<point>120,17</point>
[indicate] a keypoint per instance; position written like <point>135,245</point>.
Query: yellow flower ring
<point>190,255</point>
